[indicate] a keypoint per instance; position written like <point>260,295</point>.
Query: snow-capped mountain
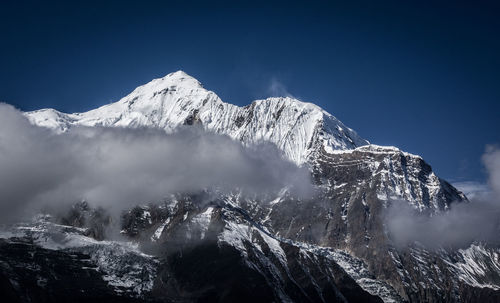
<point>211,246</point>
<point>178,99</point>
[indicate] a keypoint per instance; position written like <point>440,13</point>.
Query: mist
<point>278,89</point>
<point>117,168</point>
<point>475,221</point>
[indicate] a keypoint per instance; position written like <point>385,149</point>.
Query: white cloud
<point>472,189</point>
<point>118,168</point>
<point>463,224</point>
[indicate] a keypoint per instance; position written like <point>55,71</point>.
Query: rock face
<point>236,259</point>
<point>30,273</point>
<point>208,246</point>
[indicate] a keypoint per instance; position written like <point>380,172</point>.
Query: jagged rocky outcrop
<point>209,246</point>
<point>30,273</point>
<point>42,261</point>
<point>358,186</point>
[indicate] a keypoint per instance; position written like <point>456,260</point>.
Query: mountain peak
<point>179,73</point>
<point>181,77</point>
<point>299,105</point>
<point>173,81</point>
<point>296,127</point>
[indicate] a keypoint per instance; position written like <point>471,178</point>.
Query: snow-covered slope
<point>295,127</point>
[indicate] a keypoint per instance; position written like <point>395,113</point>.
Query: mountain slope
<point>333,246</point>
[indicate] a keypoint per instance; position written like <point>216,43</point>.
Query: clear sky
<point>420,75</point>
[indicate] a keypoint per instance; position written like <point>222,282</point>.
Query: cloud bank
<point>464,223</point>
<point>117,168</point>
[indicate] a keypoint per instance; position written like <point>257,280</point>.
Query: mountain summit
<point>298,128</point>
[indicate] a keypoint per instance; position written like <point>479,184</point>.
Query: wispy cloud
<point>278,89</point>
<point>472,188</point>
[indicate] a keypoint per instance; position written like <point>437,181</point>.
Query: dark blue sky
<point>421,76</point>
